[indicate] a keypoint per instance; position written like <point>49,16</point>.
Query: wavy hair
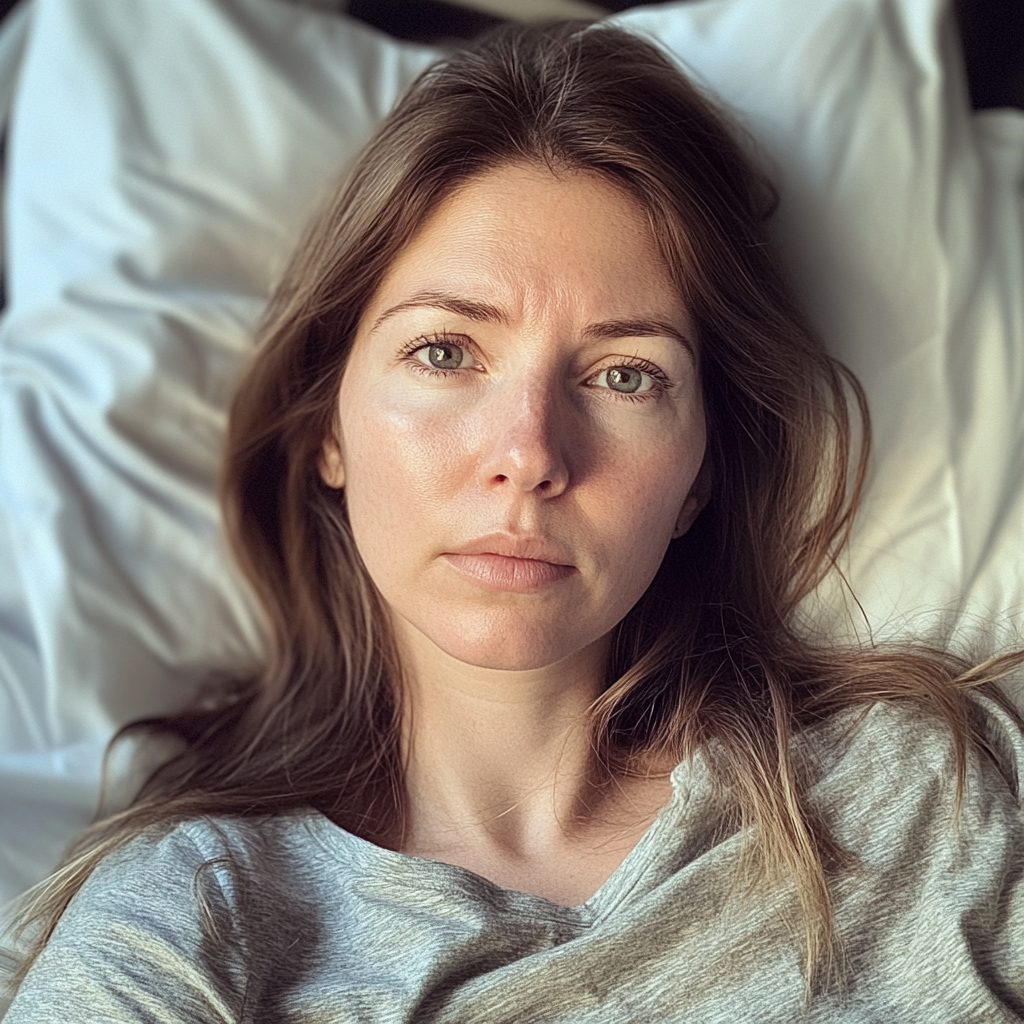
<point>711,658</point>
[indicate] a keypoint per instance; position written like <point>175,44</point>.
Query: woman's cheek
<point>405,450</point>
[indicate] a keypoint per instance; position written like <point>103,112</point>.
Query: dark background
<point>991,31</point>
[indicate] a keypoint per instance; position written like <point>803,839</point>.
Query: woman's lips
<point>505,572</point>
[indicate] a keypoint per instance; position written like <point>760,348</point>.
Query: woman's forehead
<point>521,240</point>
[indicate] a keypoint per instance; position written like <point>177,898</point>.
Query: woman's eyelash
<point>660,385</point>
<point>437,338</point>
<point>407,353</point>
<point>639,363</point>
<point>660,381</point>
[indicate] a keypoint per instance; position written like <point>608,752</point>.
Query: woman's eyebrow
<point>471,309</point>
<point>474,309</point>
<point>641,327</point>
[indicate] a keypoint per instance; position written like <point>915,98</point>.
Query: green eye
<point>444,355</point>
<point>624,378</point>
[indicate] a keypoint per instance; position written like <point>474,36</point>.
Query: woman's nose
<point>529,438</point>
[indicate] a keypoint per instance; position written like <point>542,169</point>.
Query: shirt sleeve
<point>147,939</point>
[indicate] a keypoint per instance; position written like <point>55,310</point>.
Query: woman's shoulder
<point>190,916</point>
<point>892,769</point>
<point>890,732</point>
<point>183,877</point>
<point>200,900</point>
<point>219,849</point>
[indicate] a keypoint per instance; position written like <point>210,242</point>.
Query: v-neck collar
<point>644,867</point>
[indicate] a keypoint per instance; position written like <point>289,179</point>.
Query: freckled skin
<point>526,437</point>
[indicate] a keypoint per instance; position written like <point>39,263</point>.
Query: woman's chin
<point>514,658</point>
<point>508,653</point>
<point>507,643</point>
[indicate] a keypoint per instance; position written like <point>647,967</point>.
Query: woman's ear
<point>700,492</point>
<point>330,464</point>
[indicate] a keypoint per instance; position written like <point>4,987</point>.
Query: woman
<point>533,469</point>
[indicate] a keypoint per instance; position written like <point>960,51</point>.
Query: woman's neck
<point>501,775</point>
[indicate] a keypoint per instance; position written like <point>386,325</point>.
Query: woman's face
<point>520,420</point>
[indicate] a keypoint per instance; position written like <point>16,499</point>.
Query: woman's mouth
<point>503,572</point>
<point>520,565</point>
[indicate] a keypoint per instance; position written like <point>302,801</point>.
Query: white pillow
<point>163,157</point>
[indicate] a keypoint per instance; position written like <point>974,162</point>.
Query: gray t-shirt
<point>290,919</point>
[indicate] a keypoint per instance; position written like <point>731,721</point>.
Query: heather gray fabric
<point>290,919</point>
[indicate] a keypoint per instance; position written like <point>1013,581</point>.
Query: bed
<point>160,161</point>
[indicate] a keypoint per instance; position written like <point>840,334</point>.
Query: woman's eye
<point>444,355</point>
<point>624,379</point>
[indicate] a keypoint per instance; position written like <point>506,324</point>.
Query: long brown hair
<point>711,652</point>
